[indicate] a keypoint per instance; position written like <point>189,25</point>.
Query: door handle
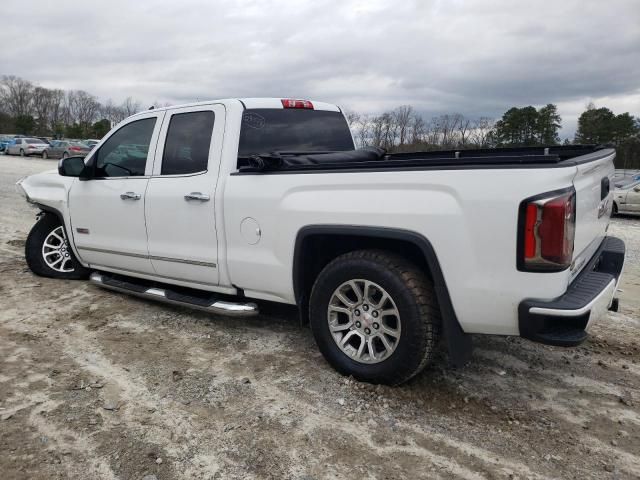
<point>130,196</point>
<point>197,196</point>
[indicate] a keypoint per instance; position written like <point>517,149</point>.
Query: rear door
<point>180,208</point>
<point>107,212</point>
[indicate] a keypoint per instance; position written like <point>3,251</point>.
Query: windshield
<point>266,130</point>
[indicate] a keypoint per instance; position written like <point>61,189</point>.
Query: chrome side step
<point>166,295</point>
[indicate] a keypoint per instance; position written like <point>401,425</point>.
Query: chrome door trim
<point>149,257</point>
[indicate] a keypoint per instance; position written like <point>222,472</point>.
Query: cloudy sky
<point>472,57</point>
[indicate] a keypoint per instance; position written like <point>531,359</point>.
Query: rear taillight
<point>547,229</point>
<point>291,103</point>
<point>75,149</point>
<point>30,145</point>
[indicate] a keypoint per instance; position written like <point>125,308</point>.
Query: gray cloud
<point>476,58</point>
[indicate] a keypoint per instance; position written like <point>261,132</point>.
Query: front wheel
<point>374,315</point>
<point>48,253</point>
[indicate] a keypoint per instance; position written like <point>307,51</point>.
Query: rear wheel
<point>21,153</point>
<point>374,315</point>
<point>48,253</point>
<point>614,211</point>
<point>45,155</point>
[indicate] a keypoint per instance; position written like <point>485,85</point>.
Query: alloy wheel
<point>56,252</point>
<point>364,321</point>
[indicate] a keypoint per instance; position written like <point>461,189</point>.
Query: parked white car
<point>626,198</point>
<point>215,205</point>
<point>26,147</point>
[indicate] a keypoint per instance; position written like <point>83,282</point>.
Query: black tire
<point>65,155</point>
<point>45,155</point>
<point>34,254</point>
<point>614,210</point>
<point>21,152</point>
<point>414,296</point>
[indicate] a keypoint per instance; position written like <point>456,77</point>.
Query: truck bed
<point>378,159</point>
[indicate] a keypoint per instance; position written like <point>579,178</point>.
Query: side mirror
<point>71,166</point>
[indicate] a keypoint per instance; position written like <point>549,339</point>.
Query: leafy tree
<point>101,128</point>
<point>595,125</point>
<point>74,130</point>
<point>549,123</point>
<point>518,127</point>
<point>601,125</point>
<point>25,124</point>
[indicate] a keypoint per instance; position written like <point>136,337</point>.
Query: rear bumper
<point>564,321</point>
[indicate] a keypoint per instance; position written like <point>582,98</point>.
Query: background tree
<point>548,126</point>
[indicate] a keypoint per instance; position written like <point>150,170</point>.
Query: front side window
<point>124,154</point>
<point>186,149</point>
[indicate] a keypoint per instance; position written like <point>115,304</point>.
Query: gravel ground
<point>94,384</point>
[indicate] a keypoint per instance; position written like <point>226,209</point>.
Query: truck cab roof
<point>255,103</point>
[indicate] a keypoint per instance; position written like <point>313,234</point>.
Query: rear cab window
<point>269,130</point>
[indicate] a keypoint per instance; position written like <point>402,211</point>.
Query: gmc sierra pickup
<point>212,205</point>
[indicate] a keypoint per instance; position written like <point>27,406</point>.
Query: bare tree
<point>83,107</point>
<point>445,126</point>
<point>463,129</point>
<point>377,130</point>
<point>363,131</point>
<point>417,129</point>
<point>112,112</point>
<point>481,132</point>
<point>402,118</point>
<point>41,104</point>
<point>16,95</point>
<point>56,110</point>
<point>130,106</point>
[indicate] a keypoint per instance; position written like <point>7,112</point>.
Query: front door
<point>180,208</point>
<point>107,211</point>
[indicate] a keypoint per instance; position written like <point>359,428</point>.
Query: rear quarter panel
<point>469,216</point>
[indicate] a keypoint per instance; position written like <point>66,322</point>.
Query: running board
<point>200,300</point>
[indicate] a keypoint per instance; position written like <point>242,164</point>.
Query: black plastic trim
<point>520,263</point>
<point>458,342</point>
<point>484,159</point>
<point>605,265</point>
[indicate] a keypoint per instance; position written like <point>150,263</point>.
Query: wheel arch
<point>317,245</point>
<point>67,228</point>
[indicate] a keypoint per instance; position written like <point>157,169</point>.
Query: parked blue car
<point>4,141</point>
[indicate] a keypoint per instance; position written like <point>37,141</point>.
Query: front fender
<point>49,192</point>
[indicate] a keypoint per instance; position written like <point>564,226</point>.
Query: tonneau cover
<point>378,158</point>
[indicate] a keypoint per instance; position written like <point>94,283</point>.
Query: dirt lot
<point>95,384</point>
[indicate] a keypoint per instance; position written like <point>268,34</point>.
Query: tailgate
<point>593,205</point>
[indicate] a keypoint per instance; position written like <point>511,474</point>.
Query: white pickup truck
<point>212,205</point>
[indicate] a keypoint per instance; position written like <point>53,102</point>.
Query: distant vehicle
<point>91,142</point>
<point>26,146</point>
<point>64,149</point>
<point>626,197</point>
<point>4,141</point>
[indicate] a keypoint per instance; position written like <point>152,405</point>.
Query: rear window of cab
<point>268,130</point>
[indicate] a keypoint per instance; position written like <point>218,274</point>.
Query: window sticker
<point>253,120</point>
